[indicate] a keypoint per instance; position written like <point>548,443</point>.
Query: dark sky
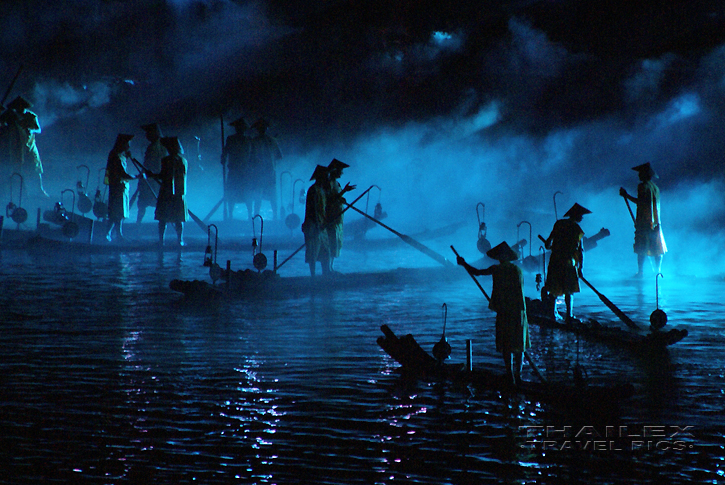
<point>485,99</point>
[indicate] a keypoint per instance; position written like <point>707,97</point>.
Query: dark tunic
<point>648,237</point>
<point>236,153</point>
<point>507,300</point>
<point>117,179</point>
<point>18,150</point>
<point>566,255</point>
<point>264,155</point>
<point>335,206</point>
<point>317,242</point>
<point>152,161</point>
<point>171,206</point>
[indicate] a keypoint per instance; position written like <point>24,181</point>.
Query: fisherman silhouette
<point>171,204</point>
<point>335,205</point>
<point>507,300</point>
<point>18,149</point>
<point>317,242</point>
<point>264,155</point>
<point>236,161</point>
<point>155,151</point>
<point>648,237</point>
<point>117,178</point>
<point>566,260</point>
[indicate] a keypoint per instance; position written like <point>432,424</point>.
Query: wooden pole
<point>526,354</point>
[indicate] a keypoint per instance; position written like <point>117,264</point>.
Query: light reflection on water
<point>109,377</point>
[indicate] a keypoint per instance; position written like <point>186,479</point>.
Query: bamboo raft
<point>416,362</point>
<point>632,340</point>
<point>245,284</point>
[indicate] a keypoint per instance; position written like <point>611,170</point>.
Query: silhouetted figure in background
<point>18,150</point>
<point>648,237</point>
<point>335,206</point>
<point>117,178</point>
<point>317,242</point>
<point>507,300</point>
<point>567,258</point>
<point>171,205</point>
<point>264,155</point>
<point>236,161</point>
<point>155,151</point>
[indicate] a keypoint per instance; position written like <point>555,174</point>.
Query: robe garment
<point>648,237</point>
<point>264,154</point>
<point>562,277</point>
<point>236,154</point>
<point>317,243</point>
<point>334,216</point>
<point>18,152</point>
<point>171,206</point>
<point>152,161</point>
<point>507,300</point>
<point>117,179</point>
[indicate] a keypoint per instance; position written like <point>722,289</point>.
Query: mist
<point>439,109</point>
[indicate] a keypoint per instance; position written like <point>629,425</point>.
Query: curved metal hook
<point>302,194</point>
<point>445,317</point>
<point>88,174</point>
<point>555,213</point>
<point>73,207</point>
<point>530,233</point>
<point>367,199</point>
<point>261,230</point>
<point>657,288</point>
<point>483,212</point>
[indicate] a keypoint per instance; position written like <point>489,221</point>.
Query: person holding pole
<point>567,258</point>
<point>648,237</point>
<point>335,205</point>
<point>117,179</point>
<point>317,241</point>
<point>507,300</point>
<point>155,151</point>
<point>171,203</point>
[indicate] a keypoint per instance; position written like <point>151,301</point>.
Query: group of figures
<point>324,208</point>
<point>162,183</point>
<point>18,150</point>
<point>249,165</point>
<point>565,268</point>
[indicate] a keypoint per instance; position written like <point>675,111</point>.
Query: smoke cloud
<point>439,108</point>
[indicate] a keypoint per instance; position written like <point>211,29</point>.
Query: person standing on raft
<point>648,237</point>
<point>335,206</point>
<point>567,258</point>
<point>117,179</point>
<point>155,151</point>
<point>171,203</point>
<point>317,242</point>
<point>507,300</point>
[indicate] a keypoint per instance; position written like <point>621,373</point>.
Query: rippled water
<point>109,377</point>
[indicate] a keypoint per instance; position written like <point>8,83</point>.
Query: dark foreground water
<point>109,377</point>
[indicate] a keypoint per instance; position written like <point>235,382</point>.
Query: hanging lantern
<point>207,256</point>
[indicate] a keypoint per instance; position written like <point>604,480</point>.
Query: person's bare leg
<point>508,362</point>
<point>640,265</point>
<point>179,226</point>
